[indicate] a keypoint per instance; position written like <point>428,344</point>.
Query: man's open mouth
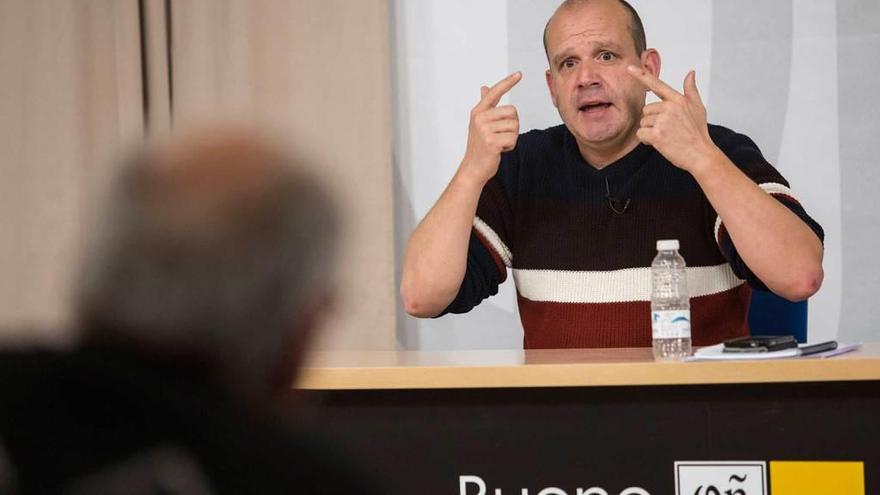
<point>597,106</point>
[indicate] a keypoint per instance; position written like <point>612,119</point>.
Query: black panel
<point>422,441</point>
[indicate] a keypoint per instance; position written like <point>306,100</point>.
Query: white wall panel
<point>443,51</point>
<point>809,156</point>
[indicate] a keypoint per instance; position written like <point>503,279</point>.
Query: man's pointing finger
<point>658,87</point>
<point>493,96</point>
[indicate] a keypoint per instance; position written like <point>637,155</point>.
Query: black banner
<point>595,441</point>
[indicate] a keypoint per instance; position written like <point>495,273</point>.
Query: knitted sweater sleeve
<point>489,255</point>
<point>744,153</point>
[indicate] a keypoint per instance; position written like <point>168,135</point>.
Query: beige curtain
<point>318,72</point>
<point>70,100</point>
<point>314,71</point>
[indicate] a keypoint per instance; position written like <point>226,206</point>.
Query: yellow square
<point>817,478</point>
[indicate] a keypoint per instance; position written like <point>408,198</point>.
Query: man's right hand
<point>492,130</point>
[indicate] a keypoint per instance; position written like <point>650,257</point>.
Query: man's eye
<point>606,56</point>
<point>568,63</point>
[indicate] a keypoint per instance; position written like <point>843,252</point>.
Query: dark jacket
<point>103,420</point>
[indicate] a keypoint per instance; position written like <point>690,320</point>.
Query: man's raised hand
<point>492,130</point>
<point>675,126</point>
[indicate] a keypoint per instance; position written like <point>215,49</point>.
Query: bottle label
<point>674,324</point>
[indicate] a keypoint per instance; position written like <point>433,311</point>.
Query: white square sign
<point>721,478</point>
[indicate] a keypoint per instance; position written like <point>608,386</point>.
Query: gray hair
<point>211,252</point>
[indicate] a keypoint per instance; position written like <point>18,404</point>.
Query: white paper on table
<point>716,353</point>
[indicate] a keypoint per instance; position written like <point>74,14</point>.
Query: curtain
<point>70,102</point>
<point>84,79</point>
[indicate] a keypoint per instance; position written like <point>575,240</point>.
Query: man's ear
<point>651,61</point>
<point>549,78</point>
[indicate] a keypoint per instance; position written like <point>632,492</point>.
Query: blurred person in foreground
<point>199,294</point>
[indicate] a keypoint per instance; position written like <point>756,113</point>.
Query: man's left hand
<point>675,126</point>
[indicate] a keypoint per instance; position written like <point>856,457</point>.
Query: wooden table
<point>610,419</point>
<point>359,370</point>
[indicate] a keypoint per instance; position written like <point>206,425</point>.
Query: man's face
<point>589,47</point>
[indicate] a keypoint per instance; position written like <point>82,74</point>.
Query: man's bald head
<point>636,28</point>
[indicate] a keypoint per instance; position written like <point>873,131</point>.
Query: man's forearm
<point>775,244</point>
<point>436,255</point>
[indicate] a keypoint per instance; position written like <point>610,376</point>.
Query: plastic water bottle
<point>670,304</point>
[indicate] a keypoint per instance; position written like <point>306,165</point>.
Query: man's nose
<point>588,75</point>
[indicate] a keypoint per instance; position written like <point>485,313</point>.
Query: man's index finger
<point>657,86</point>
<point>500,88</point>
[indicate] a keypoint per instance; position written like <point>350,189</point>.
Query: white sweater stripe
<point>627,285</point>
<point>495,240</point>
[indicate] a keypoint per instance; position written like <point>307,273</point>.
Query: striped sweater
<point>579,241</point>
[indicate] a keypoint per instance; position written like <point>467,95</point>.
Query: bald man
<point>201,290</point>
<point>574,210</point>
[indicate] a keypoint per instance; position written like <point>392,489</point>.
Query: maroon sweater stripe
<point>714,318</point>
